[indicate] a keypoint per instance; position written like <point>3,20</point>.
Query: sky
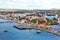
<point>29,4</point>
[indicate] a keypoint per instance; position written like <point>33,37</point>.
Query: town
<point>40,20</point>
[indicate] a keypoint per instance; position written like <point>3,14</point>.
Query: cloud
<point>10,3</point>
<point>0,2</point>
<point>30,4</point>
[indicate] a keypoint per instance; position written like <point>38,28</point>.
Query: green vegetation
<point>51,14</point>
<point>37,14</point>
<point>52,22</point>
<point>39,21</point>
<point>34,20</point>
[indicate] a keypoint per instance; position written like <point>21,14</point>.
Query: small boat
<point>5,31</point>
<point>38,31</point>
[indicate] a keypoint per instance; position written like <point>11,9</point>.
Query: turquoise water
<point>15,34</point>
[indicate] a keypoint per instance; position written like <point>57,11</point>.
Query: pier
<point>23,26</point>
<point>26,27</point>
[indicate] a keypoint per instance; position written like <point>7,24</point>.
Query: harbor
<point>29,27</point>
<point>15,34</point>
<point>26,27</point>
<point>29,19</point>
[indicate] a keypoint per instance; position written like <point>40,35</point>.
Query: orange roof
<point>40,18</point>
<point>27,17</point>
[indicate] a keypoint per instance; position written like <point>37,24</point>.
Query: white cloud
<point>10,3</point>
<point>30,4</point>
<point>0,2</point>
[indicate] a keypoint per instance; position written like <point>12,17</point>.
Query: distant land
<point>29,11</point>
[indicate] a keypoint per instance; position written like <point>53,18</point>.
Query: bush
<point>34,20</point>
<point>41,21</point>
<point>50,21</point>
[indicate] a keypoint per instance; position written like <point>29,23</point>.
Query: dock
<point>23,26</point>
<point>53,32</point>
<point>26,27</point>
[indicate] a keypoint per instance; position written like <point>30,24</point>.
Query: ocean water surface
<point>15,34</point>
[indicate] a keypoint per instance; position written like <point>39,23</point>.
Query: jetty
<point>25,26</point>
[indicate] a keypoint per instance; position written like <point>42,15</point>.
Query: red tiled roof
<point>40,18</point>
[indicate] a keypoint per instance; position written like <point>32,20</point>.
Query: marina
<point>23,34</point>
<point>29,19</point>
<point>29,27</point>
<point>21,27</point>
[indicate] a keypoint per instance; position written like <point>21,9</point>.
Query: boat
<point>38,31</point>
<point>5,31</point>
